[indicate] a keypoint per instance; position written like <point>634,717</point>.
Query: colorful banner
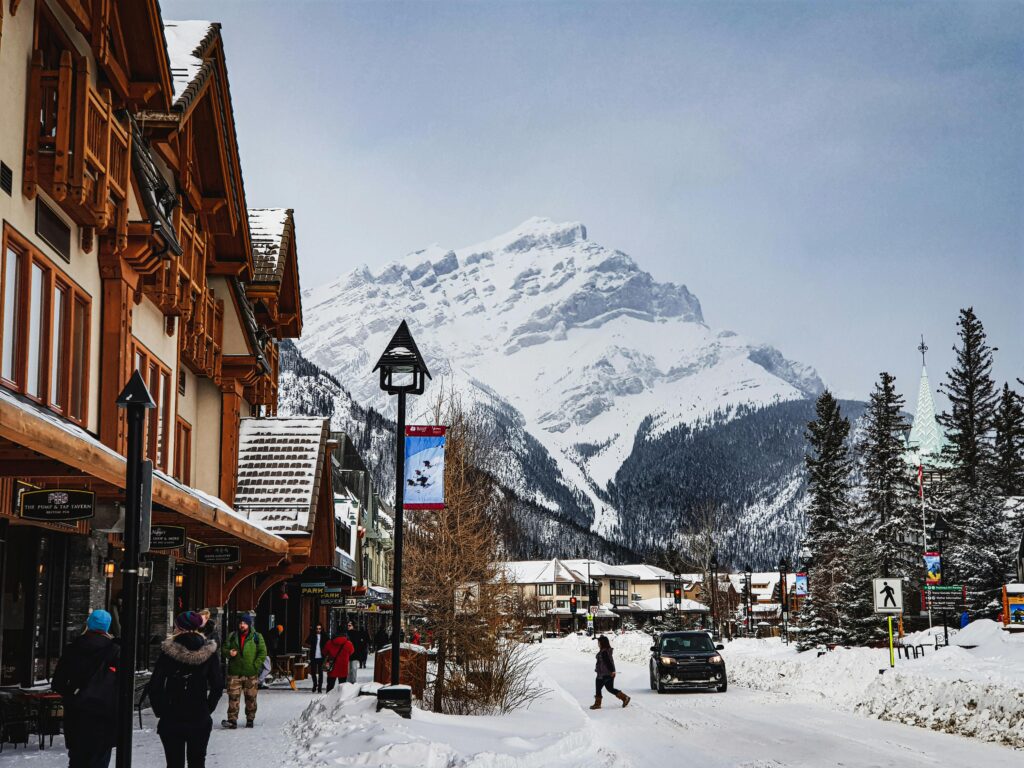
<point>424,467</point>
<point>932,569</point>
<point>800,586</point>
<point>1015,609</point>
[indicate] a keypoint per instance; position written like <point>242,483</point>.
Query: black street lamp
<point>750,575</point>
<point>714,593</point>
<point>402,372</point>
<point>940,531</point>
<point>784,598</point>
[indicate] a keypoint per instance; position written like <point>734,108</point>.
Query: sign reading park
<point>947,598</point>
<point>888,595</point>
<point>219,554</point>
<point>56,505</point>
<point>166,537</point>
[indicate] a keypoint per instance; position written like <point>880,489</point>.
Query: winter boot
<point>623,698</point>
<point>229,724</point>
<point>252,723</point>
<point>597,703</point>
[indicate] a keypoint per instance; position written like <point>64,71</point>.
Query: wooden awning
<point>38,443</point>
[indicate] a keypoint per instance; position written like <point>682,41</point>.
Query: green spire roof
<point>926,437</point>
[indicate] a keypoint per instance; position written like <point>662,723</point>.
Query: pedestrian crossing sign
<point>888,595</point>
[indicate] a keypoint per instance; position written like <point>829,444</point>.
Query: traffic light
<point>572,605</point>
<point>677,595</point>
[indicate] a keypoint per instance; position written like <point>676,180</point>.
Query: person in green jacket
<point>245,651</point>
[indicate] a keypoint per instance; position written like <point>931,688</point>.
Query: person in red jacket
<point>338,652</point>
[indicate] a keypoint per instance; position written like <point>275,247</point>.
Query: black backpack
<point>99,694</point>
<point>179,684</point>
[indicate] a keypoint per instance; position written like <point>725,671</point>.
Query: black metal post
<point>942,578</point>
<point>784,601</point>
<point>130,585</point>
<point>396,614</point>
<point>714,595</point>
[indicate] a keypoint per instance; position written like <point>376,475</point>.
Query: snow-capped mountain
<point>573,343</point>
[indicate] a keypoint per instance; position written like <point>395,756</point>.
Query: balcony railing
<point>178,284</point>
<point>264,390</point>
<point>76,150</point>
<point>202,336</point>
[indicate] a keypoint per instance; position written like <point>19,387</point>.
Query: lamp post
<point>134,398</point>
<point>939,531</point>
<point>749,575</point>
<point>714,594</point>
<point>402,372</point>
<point>784,598</point>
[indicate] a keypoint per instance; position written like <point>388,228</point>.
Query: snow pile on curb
<point>972,689</point>
<point>629,646</point>
<point>344,728</point>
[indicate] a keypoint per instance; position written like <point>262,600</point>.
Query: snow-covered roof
<point>269,232</point>
<point>598,569</point>
<point>600,613</point>
<point>279,466</point>
<point>661,604</point>
<point>187,42</point>
<point>541,572</point>
<point>644,572</point>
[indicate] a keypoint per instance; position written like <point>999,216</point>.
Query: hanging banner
<point>424,467</point>
<point>932,569</point>
<point>800,586</point>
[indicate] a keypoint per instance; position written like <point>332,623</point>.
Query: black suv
<point>687,660</point>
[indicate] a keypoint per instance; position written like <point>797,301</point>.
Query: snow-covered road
<point>739,729</point>
<point>752,729</point>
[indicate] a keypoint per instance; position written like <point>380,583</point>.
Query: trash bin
<point>412,670</point>
<point>301,670</point>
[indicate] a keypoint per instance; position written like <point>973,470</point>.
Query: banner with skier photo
<point>800,585</point>
<point>424,467</point>
<point>932,569</point>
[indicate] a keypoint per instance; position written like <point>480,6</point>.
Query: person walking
<point>362,647</point>
<point>86,679</point>
<point>317,642</point>
<point>186,685</point>
<point>359,651</point>
<point>380,638</point>
<point>245,651</point>
<point>415,637</point>
<point>605,670</point>
<point>337,653</point>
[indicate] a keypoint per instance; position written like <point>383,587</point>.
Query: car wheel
<point>724,686</point>
<point>654,686</point>
<point>660,686</point>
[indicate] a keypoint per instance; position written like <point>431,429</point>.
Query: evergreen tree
<point>1009,445</point>
<point>888,506</point>
<point>828,487</point>
<point>975,551</point>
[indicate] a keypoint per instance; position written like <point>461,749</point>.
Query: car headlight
<point>716,659</point>
<point>667,660</point>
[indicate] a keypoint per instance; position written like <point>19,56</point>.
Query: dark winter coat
<point>605,666</point>
<point>93,727</point>
<point>186,685</point>
<point>311,644</point>
<point>380,639</point>
<point>361,644</point>
<point>340,649</point>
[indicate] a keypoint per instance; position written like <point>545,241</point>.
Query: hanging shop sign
<point>166,537</point>
<point>191,547</point>
<point>424,467</point>
<point>800,585</point>
<point>932,569</point>
<point>57,505</point>
<point>219,554</point>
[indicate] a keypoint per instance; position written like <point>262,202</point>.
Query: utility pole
<point>135,398</point>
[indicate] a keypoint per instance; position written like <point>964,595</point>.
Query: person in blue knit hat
<point>86,679</point>
<point>245,651</point>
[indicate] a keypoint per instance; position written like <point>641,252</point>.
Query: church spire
<point>926,438</point>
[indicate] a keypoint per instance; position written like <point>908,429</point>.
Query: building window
<point>545,589</point>
<point>545,605</point>
<point>565,589</point>
<point>44,341</point>
<point>562,603</point>
<point>158,379</point>
<point>183,451</point>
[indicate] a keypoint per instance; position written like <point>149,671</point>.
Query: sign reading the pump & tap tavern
<point>219,554</point>
<point>56,505</point>
<point>166,537</point>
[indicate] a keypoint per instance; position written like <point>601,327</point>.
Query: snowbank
<point>971,688</point>
<point>343,728</point>
<point>630,646</point>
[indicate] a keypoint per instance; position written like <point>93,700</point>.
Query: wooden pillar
<point>231,412</point>
<point>119,285</point>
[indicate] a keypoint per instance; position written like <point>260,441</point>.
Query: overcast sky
<point>832,178</point>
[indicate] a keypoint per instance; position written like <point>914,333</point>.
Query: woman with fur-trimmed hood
<point>186,685</point>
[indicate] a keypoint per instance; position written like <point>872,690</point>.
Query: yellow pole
<point>892,657</point>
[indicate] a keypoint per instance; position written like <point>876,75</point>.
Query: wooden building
<point>127,245</point>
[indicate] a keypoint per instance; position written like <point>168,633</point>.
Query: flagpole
<point>924,528</point>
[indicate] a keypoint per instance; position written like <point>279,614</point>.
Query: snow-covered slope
<point>575,338</point>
